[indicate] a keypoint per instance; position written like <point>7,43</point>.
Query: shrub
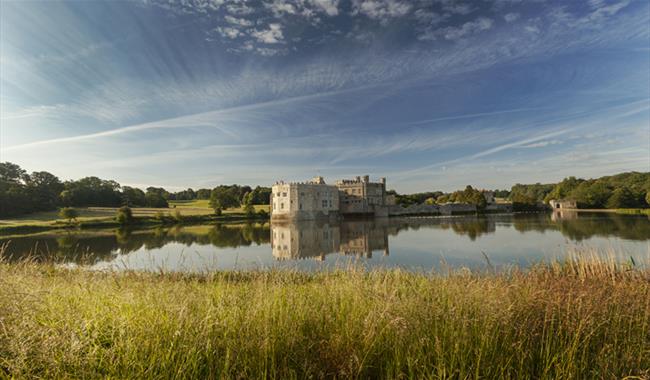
<point>124,215</point>
<point>68,213</point>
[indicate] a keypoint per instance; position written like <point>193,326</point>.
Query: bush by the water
<point>583,319</point>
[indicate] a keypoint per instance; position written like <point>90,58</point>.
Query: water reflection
<point>313,239</point>
<point>408,241</point>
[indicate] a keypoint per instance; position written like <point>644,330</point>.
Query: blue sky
<point>432,94</point>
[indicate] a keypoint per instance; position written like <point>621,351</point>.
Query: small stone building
<point>565,204</point>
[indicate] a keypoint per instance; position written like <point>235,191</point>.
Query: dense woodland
<point>625,190</point>
<point>23,193</point>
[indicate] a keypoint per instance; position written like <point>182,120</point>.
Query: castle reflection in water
<point>291,241</point>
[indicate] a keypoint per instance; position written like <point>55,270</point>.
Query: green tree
<point>133,197</point>
<point>249,209</point>
<point>647,198</point>
<point>68,213</point>
<point>10,172</point>
<point>43,189</point>
<point>156,197</point>
<point>563,189</point>
<point>621,198</point>
<point>124,215</point>
<point>224,197</point>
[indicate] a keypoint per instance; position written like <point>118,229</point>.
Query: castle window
<point>301,206</point>
<point>281,206</point>
<point>284,194</point>
<point>324,204</point>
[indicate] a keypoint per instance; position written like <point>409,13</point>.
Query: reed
<point>586,316</point>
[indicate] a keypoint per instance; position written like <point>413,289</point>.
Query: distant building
<point>565,204</point>
<point>317,200</point>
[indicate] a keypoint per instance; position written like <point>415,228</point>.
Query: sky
<point>432,94</point>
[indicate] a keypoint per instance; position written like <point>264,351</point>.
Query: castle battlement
<point>315,199</point>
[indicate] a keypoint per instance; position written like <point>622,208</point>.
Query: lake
<point>410,243</point>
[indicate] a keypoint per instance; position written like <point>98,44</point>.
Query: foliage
<point>529,197</point>
<point>622,197</point>
<point>618,191</point>
<point>133,197</point>
<point>224,197</point>
<point>247,201</point>
<point>580,319</point>
<point>469,195</point>
<point>203,193</point>
<point>68,213</point>
<point>156,197</point>
<point>124,215</point>
<point>406,200</point>
<point>21,193</point>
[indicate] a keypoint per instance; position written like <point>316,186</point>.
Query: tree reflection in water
<point>312,239</point>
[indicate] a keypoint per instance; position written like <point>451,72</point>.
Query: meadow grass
<point>583,318</point>
<point>96,216</point>
<point>633,211</point>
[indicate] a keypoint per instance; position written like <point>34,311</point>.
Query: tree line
<point>625,190</point>
<point>23,193</point>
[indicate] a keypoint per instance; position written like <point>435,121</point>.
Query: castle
<point>317,200</point>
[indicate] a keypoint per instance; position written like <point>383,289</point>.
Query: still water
<point>410,243</point>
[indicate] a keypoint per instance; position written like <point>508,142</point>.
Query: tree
<point>590,194</point>
<point>621,198</point>
<point>224,197</point>
<point>647,198</point>
<point>68,213</point>
<point>563,189</point>
<point>43,189</point>
<point>156,197</point>
<point>203,193</point>
<point>249,209</point>
<point>133,197</point>
<point>10,172</point>
<point>124,215</point>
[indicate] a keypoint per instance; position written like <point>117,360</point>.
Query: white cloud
<point>273,35</point>
<point>453,33</point>
<point>532,29</point>
<point>238,21</point>
<point>229,32</point>
<point>542,144</point>
<point>510,17</point>
<point>330,7</point>
<point>382,10</point>
<point>239,9</point>
<point>278,7</point>
<point>431,18</point>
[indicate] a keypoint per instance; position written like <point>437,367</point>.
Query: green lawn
<point>107,214</point>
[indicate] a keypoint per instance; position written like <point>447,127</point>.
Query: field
<point>585,318</point>
<point>107,214</point>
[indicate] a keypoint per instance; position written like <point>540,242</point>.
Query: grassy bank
<point>634,211</point>
<point>104,217</point>
<point>582,319</point>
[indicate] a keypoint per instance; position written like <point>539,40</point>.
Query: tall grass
<point>581,318</point>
